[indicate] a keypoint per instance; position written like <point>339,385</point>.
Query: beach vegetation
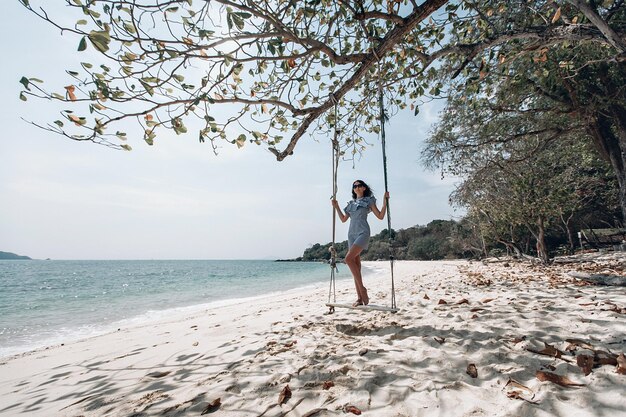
<point>537,107</point>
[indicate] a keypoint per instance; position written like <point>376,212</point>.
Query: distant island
<point>11,256</point>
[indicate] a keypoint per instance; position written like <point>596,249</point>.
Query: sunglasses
<point>357,186</point>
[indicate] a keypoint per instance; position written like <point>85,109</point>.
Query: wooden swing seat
<point>368,307</point>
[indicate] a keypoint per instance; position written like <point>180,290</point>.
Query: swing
<point>333,252</point>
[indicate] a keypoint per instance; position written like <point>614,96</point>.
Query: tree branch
<point>394,36</point>
<point>612,37</point>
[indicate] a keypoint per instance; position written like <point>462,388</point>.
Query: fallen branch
<point>600,279</point>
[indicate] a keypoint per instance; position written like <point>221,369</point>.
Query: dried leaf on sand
<point>352,409</point>
<point>517,395</point>
<point>549,350</point>
<point>517,340</point>
<point>285,395</point>
<point>472,370</point>
<point>621,364</point>
<point>585,363</point>
<point>557,379</point>
<point>514,383</point>
<point>578,342</point>
<point>605,358</point>
<point>212,407</point>
<point>328,385</point>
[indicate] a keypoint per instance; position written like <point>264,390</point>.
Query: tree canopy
<point>551,93</point>
<point>268,71</point>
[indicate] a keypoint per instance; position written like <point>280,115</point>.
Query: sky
<point>62,199</point>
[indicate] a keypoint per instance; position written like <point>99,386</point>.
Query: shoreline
<point>413,363</point>
<point>149,317</point>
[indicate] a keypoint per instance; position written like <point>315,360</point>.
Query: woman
<point>359,232</point>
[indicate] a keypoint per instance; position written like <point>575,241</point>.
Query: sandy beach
<point>470,339</point>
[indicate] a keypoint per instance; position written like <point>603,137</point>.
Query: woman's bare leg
<point>353,260</point>
<point>364,297</point>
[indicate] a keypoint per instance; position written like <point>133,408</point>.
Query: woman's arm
<point>380,214</point>
<point>343,217</point>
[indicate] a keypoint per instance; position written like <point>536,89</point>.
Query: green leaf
<point>129,27</point>
<point>229,20</point>
<point>240,141</point>
<point>126,147</point>
<point>149,137</point>
<point>100,39</point>
<point>22,97</point>
<point>58,123</point>
<point>25,3</point>
<point>178,126</point>
<point>237,20</point>
<point>24,81</point>
<point>147,87</point>
<point>81,22</point>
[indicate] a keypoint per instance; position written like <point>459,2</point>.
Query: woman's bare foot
<point>357,303</point>
<point>366,298</point>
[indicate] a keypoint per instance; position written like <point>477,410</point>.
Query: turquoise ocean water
<point>50,302</point>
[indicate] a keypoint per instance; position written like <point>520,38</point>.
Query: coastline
<point>117,300</point>
<point>411,363</point>
<point>153,316</point>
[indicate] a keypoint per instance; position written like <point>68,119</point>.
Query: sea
<point>44,303</point>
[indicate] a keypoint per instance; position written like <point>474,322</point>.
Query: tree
<point>279,67</point>
<point>551,90</point>
<point>507,185</point>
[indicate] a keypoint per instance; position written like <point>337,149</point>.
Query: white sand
<point>412,363</point>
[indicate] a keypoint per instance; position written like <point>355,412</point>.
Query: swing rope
<point>333,250</point>
<point>383,118</point>
<point>336,155</point>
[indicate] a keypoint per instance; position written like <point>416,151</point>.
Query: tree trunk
<point>613,149</point>
<point>619,116</point>
<point>542,251</point>
<point>511,246</point>
<point>540,238</point>
<point>570,234</point>
<point>483,243</point>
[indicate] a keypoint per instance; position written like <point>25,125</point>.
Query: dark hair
<point>366,193</point>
